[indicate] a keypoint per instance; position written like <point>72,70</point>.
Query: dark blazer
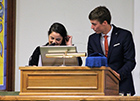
<point>121,55</point>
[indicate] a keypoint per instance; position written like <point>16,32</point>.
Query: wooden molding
<point>11,26</point>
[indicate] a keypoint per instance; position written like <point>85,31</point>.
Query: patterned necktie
<point>106,45</point>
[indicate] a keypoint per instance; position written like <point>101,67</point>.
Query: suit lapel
<point>114,36</point>
<point>98,43</point>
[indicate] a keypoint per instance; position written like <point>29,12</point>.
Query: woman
<point>57,36</point>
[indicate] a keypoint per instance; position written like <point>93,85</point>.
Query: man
<point>118,47</point>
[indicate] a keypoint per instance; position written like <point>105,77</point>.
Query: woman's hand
<point>68,40</point>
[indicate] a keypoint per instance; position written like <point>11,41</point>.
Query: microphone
<point>52,44</point>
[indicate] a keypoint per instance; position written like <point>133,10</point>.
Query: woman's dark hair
<point>58,28</point>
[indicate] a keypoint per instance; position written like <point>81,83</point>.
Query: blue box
<point>96,60</point>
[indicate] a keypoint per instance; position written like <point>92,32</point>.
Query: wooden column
<point>11,19</point>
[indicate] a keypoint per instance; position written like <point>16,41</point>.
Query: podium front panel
<point>62,81</point>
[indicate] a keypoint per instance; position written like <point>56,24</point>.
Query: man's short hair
<point>101,14</point>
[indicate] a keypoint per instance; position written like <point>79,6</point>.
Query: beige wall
<point>34,18</point>
<point>136,72</point>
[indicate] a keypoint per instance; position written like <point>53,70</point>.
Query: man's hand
<point>116,73</point>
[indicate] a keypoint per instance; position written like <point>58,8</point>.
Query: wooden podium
<point>68,81</point>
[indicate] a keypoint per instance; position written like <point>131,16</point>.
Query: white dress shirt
<point>108,39</point>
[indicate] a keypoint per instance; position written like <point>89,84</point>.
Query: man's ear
<point>105,22</point>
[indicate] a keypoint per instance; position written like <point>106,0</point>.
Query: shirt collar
<point>109,33</point>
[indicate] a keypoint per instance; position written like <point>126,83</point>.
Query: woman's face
<point>55,38</point>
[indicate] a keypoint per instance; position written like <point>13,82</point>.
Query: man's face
<point>97,27</point>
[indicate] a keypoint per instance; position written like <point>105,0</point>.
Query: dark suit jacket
<point>121,55</point>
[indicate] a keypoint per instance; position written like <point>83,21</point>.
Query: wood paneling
<point>68,81</point>
<point>70,98</point>
<point>11,20</point>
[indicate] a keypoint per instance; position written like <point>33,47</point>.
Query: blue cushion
<point>96,60</point>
